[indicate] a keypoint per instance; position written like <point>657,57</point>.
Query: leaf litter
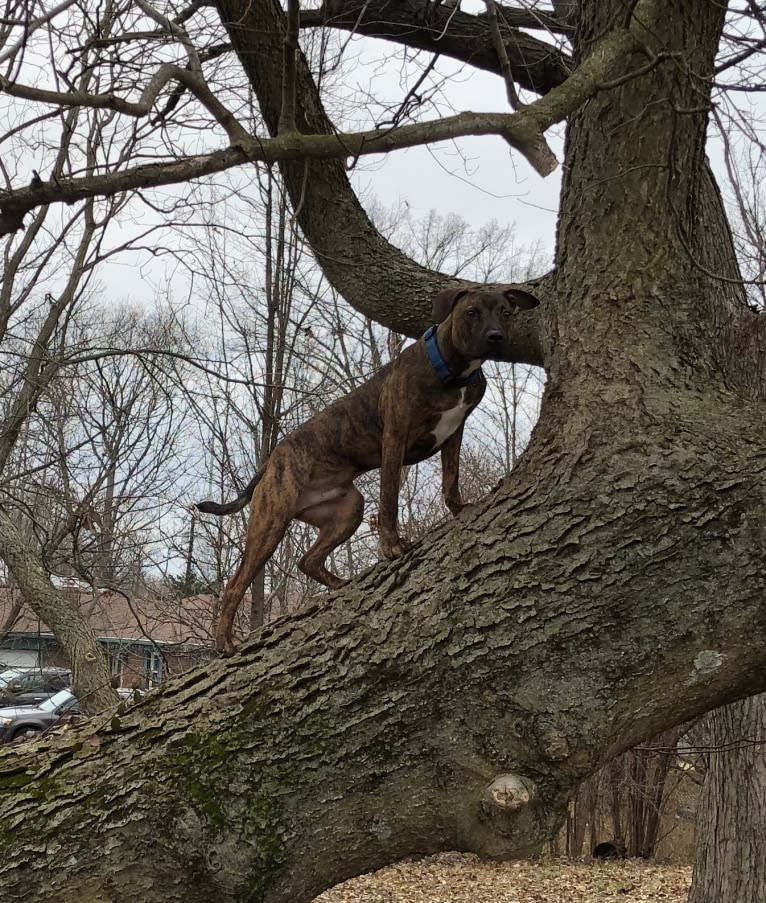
<point>464,878</point>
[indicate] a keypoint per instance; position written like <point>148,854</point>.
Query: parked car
<point>19,722</point>
<point>32,686</point>
<point>7,676</point>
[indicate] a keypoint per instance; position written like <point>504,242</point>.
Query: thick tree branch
<point>523,130</point>
<point>326,199</point>
<point>258,32</point>
<point>519,130</point>
<point>393,289</point>
<point>536,65</point>
<point>406,715</point>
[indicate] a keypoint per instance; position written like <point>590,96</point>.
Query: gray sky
<point>479,178</point>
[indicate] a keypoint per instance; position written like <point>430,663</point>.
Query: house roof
<point>114,616</point>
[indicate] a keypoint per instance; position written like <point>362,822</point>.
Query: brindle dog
<point>410,409</point>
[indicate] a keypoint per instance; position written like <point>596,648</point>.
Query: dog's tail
<point>238,504</point>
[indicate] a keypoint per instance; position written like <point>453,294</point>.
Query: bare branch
<point>502,55</point>
<point>176,31</point>
<point>523,130</point>
<point>520,131</point>
<point>537,65</point>
<point>165,73</point>
<point>32,26</point>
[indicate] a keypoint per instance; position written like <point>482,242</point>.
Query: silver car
<point>20,722</point>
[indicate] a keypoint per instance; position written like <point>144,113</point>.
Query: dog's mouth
<point>491,345</point>
<point>494,351</point>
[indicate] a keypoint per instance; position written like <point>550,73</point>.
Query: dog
<point>411,408</point>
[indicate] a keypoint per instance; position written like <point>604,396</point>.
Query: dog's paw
<point>455,504</point>
<point>395,548</point>
<point>225,646</point>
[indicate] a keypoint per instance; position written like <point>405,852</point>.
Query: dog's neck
<point>454,369</point>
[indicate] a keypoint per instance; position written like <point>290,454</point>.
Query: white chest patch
<point>449,421</point>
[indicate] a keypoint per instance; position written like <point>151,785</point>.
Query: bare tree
<point>609,589</point>
<point>106,436</point>
<point>261,298</point>
<point>48,272</point>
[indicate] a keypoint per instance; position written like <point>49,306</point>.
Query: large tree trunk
<point>610,588</point>
<point>568,623</point>
<point>731,811</point>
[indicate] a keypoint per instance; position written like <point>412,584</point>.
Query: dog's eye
<point>472,313</point>
<point>507,312</point>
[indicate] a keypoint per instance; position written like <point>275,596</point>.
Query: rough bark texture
<point>614,586</point>
<point>369,727</point>
<point>731,812</point>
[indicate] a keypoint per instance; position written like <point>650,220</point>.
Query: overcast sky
<point>479,178</point>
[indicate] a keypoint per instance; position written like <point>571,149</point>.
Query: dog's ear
<point>521,299</point>
<point>445,302</point>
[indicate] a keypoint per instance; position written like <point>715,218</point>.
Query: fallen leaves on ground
<point>463,878</point>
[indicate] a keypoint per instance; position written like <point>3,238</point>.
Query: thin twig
<point>502,55</point>
<point>405,106</point>
<point>454,9</point>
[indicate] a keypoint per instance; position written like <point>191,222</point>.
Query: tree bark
<point>568,623</point>
<point>536,64</point>
<point>609,589</point>
<point>91,680</point>
<point>731,810</point>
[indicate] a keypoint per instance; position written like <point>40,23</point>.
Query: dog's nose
<point>494,337</point>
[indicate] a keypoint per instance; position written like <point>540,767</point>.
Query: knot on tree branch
<point>509,793</point>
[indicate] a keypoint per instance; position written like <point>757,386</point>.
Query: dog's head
<point>481,320</point>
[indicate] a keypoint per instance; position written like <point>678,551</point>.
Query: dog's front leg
<point>451,472</point>
<point>392,458</point>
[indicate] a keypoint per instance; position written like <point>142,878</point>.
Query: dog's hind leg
<point>265,529</point>
<point>337,520</point>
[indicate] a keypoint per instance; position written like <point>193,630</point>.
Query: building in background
<point>144,639</point>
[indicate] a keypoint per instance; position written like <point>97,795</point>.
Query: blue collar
<point>440,365</point>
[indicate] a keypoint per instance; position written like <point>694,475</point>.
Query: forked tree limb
<point>326,199</point>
